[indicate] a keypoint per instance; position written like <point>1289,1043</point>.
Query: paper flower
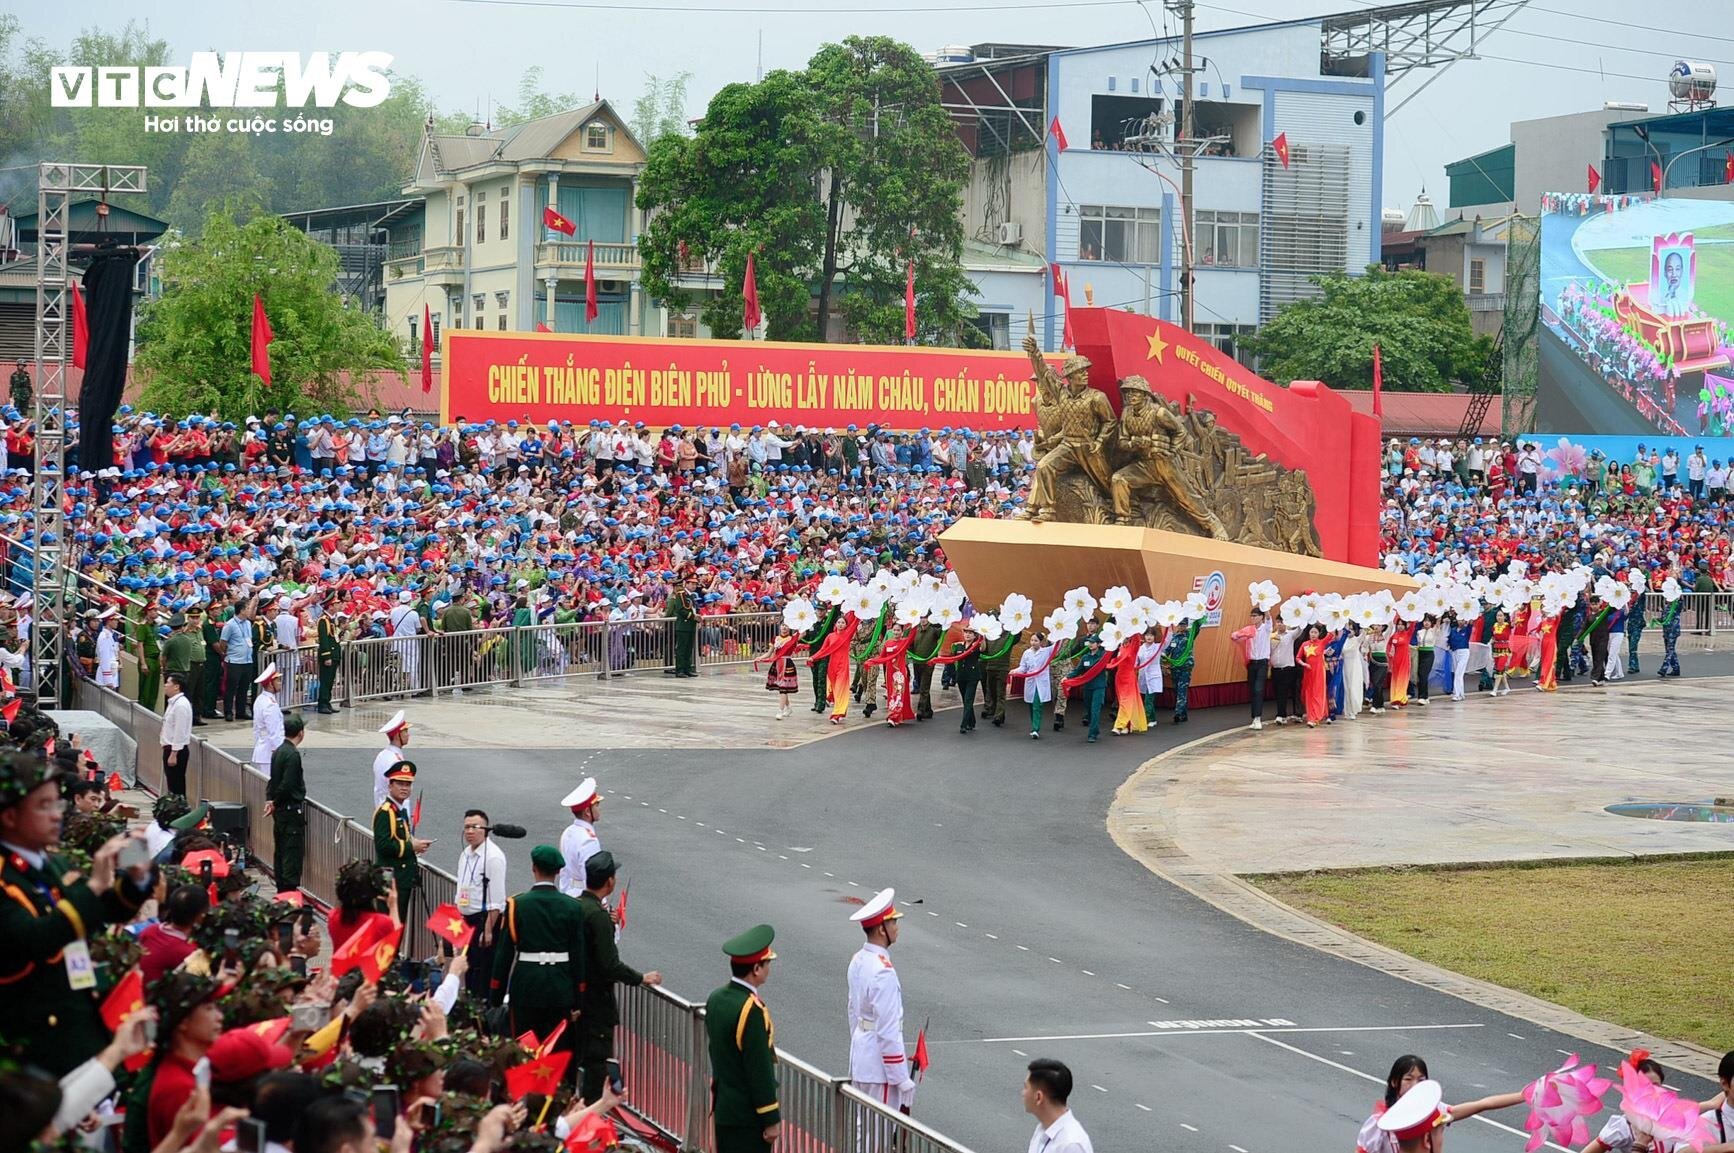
<point>1671,590</point>
<point>1136,617</point>
<point>800,615</point>
<point>1060,625</point>
<point>883,583</point>
<point>1168,614</point>
<point>1264,594</point>
<point>909,614</point>
<point>1015,612</point>
<point>864,602</point>
<point>1620,595</point>
<point>833,589</point>
<point>1194,607</point>
<point>1080,603</point>
<point>988,626</point>
<point>1116,600</point>
<point>1560,1104</point>
<point>1673,1120</point>
<point>1638,579</point>
<point>1409,608</point>
<point>945,614</point>
<point>1113,636</point>
<point>1295,612</point>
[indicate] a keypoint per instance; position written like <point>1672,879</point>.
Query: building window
<point>596,137</point>
<point>683,325</point>
<point>996,326</point>
<point>1226,239</point>
<point>477,302</point>
<point>481,222</point>
<point>434,319</point>
<point>459,232</point>
<point>505,211</point>
<point>1226,338</point>
<point>502,299</point>
<point>1120,235</point>
<point>502,322</point>
<point>413,325</point>
<point>1477,275</point>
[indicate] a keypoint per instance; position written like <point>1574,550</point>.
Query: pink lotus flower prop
<point>1560,1104</point>
<point>1673,1119</point>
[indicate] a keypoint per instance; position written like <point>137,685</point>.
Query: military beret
<point>547,859</point>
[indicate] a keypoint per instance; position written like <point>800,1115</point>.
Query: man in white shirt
<point>1046,1091</point>
<point>405,624</point>
<point>287,628</point>
<point>1258,664</point>
<point>579,842</point>
<point>481,897</point>
<point>177,732</point>
<point>396,733</point>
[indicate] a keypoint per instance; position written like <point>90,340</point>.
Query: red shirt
<point>164,949</point>
<point>170,1089</point>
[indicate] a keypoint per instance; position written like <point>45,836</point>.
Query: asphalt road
<point>1029,932</point>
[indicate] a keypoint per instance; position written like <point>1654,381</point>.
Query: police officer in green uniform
<point>49,1012</point>
<point>603,969</point>
<point>539,957</point>
<point>926,644</point>
<point>680,607</point>
<point>743,1049</point>
<point>330,653</point>
<point>211,676</point>
<point>818,669</point>
<point>147,646</point>
<point>286,805</point>
<point>395,844</point>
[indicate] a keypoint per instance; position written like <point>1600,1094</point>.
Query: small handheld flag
<point>920,1061</point>
<point>540,1076</point>
<point>447,923</point>
<point>415,815</point>
<point>115,784</point>
<point>620,910</point>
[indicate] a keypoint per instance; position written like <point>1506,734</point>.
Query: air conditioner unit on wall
<point>1010,233</point>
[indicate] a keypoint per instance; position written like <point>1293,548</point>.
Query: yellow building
<point>482,258</point>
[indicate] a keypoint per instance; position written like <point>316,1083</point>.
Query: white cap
<point>108,612</point>
<point>582,795</point>
<point>881,908</point>
<point>285,601</point>
<point>1415,1112</point>
<point>269,672</point>
<point>397,722</point>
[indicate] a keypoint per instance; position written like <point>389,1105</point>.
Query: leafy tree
<point>1419,320</point>
<point>836,177</point>
<point>661,110</point>
<point>533,102</point>
<point>194,343</point>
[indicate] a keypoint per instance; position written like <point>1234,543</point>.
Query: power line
<point>1669,55</point>
<point>1697,35</point>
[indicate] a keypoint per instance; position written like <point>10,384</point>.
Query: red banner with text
<point>552,376</point>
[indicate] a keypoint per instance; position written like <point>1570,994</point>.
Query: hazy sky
<point>1554,57</point>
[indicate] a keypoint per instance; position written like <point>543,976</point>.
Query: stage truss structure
<point>1424,34</point>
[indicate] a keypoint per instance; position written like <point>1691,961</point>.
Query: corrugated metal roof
<point>535,139</point>
<point>1424,413</point>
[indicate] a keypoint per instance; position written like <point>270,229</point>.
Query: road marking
<point>644,804</point>
<point>1020,1052</point>
<point>960,924</point>
<point>720,833</point>
<point>761,849</point>
<point>1250,1032</point>
<point>780,857</point>
<point>804,865</point>
<point>1237,1149</point>
<point>1128,989</point>
<point>990,936</point>
<point>930,912</point>
<point>625,796</point>
<point>1146,1108</point>
<point>1514,1036</point>
<point>1024,948</point>
<point>1098,1088</point>
<point>830,874</point>
<point>1153,997</point>
<point>678,817</point>
<point>743,840</point>
<point>1086,972</point>
<point>700,824</point>
<point>1189,1128</point>
<point>1378,1081</point>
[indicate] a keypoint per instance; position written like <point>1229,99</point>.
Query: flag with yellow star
<point>448,924</point>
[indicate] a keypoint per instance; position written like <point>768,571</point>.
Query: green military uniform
<point>685,616</point>
<point>818,668</point>
<point>393,843</point>
<point>603,969</point>
<point>330,653</point>
<point>150,656</point>
<point>743,1053</point>
<point>539,956</point>
<point>925,644</point>
<point>211,678</point>
<point>43,919</point>
<point>995,671</point>
<point>287,792</point>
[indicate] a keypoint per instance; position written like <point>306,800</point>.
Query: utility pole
<point>1186,153</point>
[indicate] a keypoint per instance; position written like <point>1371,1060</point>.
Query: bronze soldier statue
<point>1153,436</point>
<point>1085,425</point>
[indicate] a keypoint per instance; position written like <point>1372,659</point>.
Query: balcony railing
<point>1485,301</point>
<point>404,266</point>
<point>444,257</point>
<point>572,254</point>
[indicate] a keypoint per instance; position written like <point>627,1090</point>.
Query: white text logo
<point>235,80</point>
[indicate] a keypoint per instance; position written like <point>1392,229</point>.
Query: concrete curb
<point>1141,824</point>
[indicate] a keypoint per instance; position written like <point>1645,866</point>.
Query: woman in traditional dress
<point>1502,654</point>
<point>1130,717</point>
<point>895,659</point>
<point>1354,672</point>
<point>1309,654</point>
<point>781,676</point>
<point>1398,658</point>
<point>1150,674</point>
<point>1545,680</point>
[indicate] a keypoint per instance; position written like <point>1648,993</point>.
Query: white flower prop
<point>952,580</point>
<point>1295,613</point>
<point>1620,595</point>
<point>883,583</point>
<point>1136,618</point>
<point>1638,579</point>
<point>1194,607</point>
<point>1116,600</point>
<point>864,603</point>
<point>1080,603</point>
<point>1168,614</point>
<point>1264,595</point>
<point>1604,588</point>
<point>945,614</point>
<point>1409,608</point>
<point>1060,626</point>
<point>1145,605</point>
<point>800,615</point>
<point>1015,612</point>
<point>988,627</point>
<point>1517,569</point>
<point>909,614</point>
<point>833,589</point>
<point>1113,636</point>
<point>1671,590</point>
<point>1364,611</point>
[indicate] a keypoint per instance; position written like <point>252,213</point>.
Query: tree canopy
<point>660,109</point>
<point>836,178</point>
<point>194,342</point>
<point>1419,320</point>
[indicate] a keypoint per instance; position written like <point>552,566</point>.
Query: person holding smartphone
<point>189,1021</point>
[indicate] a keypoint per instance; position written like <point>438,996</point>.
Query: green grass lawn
<point>1636,943</point>
<point>1715,293</point>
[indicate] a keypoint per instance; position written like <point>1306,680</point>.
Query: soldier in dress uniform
<point>286,805</point>
<point>395,844</point>
<point>49,1013</point>
<point>539,959</point>
<point>329,654</point>
<point>743,1053</point>
<point>925,644</point>
<point>579,842</point>
<point>878,1066</point>
<point>603,969</point>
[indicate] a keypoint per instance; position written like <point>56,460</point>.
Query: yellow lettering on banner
<point>514,384</point>
<point>853,391</point>
<point>671,387</point>
<point>715,389</point>
<point>1003,397</point>
<point>962,395</point>
<point>766,389</point>
<point>1229,383</point>
<point>624,386</point>
<point>902,393</point>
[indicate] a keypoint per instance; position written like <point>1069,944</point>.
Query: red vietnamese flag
<point>750,295</point>
<point>125,999</point>
<point>359,952</point>
<point>553,220</point>
<point>620,909</point>
<point>1656,175</point>
<point>426,349</point>
<point>546,1046</point>
<point>1595,179</point>
<point>115,783</point>
<point>415,815</point>
<point>272,1031</point>
<point>1057,133</point>
<point>262,338</point>
<point>528,1040</point>
<point>80,327</point>
<point>540,327</point>
<point>1728,169</point>
<point>590,309</point>
<point>920,1060</point>
<point>541,1076</point>
<point>909,305</point>
<point>447,923</point>
<point>1279,145</point>
<point>1378,383</point>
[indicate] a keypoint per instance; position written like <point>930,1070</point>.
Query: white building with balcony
<point>481,257</point>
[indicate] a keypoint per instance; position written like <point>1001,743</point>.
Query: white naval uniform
<point>577,844</point>
<point>388,756</point>
<point>267,729</point>
<point>108,658</point>
<point>877,1063</point>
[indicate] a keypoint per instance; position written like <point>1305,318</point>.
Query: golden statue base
<point>1045,559</point>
